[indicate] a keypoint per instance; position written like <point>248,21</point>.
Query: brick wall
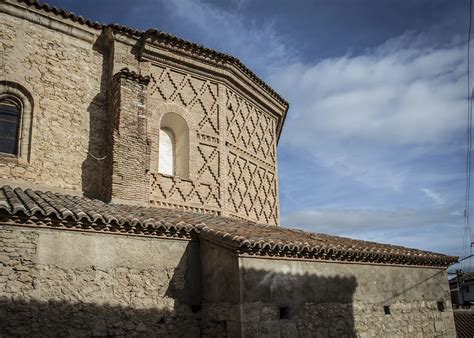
<point>130,163</point>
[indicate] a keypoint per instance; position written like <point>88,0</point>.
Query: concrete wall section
<point>292,298</point>
<point>61,283</point>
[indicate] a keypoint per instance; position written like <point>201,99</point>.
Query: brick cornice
<point>134,76</point>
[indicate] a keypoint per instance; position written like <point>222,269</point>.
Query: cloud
<point>405,98</point>
<point>433,195</point>
<point>430,229</point>
<point>353,220</point>
<point>398,94</point>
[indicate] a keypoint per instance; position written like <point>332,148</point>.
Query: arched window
<point>166,160</point>
<point>10,117</point>
<point>173,156</point>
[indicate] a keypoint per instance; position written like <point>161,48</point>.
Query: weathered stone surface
<point>116,285</point>
<point>296,298</point>
<point>64,77</point>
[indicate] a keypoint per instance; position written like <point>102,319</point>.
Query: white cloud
<point>341,221</point>
<point>402,95</point>
<point>356,114</point>
<point>433,195</point>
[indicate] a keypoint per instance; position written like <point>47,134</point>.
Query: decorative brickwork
<point>235,129</point>
<point>250,129</point>
<point>252,190</point>
<point>196,100</point>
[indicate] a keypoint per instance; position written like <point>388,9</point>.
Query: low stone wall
<point>76,283</point>
<point>301,298</point>
<point>60,283</point>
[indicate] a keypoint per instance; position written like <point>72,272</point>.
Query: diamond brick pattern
<point>250,129</point>
<point>197,95</point>
<point>185,192</point>
<point>252,190</point>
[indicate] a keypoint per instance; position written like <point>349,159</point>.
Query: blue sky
<point>374,143</point>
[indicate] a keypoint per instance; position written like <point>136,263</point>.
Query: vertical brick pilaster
<point>127,178</point>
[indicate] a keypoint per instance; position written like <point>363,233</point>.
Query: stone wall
<point>335,299</point>
<point>60,283</point>
<point>64,73</point>
<point>298,298</point>
<point>66,282</point>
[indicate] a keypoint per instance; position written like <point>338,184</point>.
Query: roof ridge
<point>177,41</point>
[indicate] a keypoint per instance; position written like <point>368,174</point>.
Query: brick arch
<point>20,93</point>
<point>154,125</point>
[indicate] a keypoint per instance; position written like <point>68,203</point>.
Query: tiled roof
<point>164,37</point>
<point>243,237</point>
<point>265,240</point>
<point>464,321</point>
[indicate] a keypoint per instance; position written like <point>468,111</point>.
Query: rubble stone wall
<point>300,298</point>
<point>60,283</point>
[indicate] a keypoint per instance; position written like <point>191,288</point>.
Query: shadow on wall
<point>93,165</point>
<point>294,305</point>
<point>91,301</point>
<point>56,318</point>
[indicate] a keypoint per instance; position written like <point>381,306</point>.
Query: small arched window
<point>10,117</point>
<point>173,156</point>
<point>166,161</point>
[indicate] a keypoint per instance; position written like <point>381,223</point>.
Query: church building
<point>139,197</point>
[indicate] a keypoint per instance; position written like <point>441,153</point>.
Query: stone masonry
<point>95,241</point>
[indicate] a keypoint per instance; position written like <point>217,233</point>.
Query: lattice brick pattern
<point>178,191</point>
<point>197,95</point>
<point>249,128</point>
<point>252,190</point>
<point>208,164</point>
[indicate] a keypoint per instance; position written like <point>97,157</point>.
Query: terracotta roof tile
<point>244,237</point>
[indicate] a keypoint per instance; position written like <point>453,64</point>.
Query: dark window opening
<point>10,111</point>
<point>386,309</point>
<point>284,312</point>
<point>440,306</point>
<point>195,308</point>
